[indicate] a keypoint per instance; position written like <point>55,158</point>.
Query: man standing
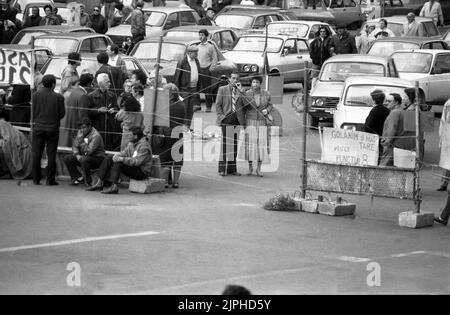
<point>445,119</point>
<point>109,6</point>
<point>50,18</point>
<point>48,110</point>
<point>98,22</point>
<point>209,18</point>
<point>34,19</point>
<point>382,31</point>
<point>207,57</point>
<point>102,110</point>
<point>412,28</point>
<point>88,152</point>
<point>114,59</point>
<point>187,80</point>
<point>134,162</point>
<point>432,9</point>
<point>85,19</point>
<point>342,42</point>
<point>229,117</point>
<point>378,114</point>
<point>137,21</point>
<point>116,75</point>
<point>320,51</point>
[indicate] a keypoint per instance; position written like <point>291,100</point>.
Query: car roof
<point>280,36</point>
<point>167,10</point>
<point>248,13</point>
<point>410,39</point>
<point>175,40</point>
<point>428,51</point>
<point>299,22</point>
<point>399,19</point>
<point>252,7</point>
<point>199,27</point>
<point>20,47</point>
<point>59,28</point>
<point>365,80</point>
<point>72,35</point>
<point>359,58</point>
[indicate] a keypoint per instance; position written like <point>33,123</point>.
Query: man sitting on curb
<point>134,162</point>
<point>88,152</point>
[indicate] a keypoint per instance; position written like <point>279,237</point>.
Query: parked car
<point>387,46</point>
<point>326,91</point>
<point>23,37</point>
<point>431,68</point>
<point>247,20</point>
<point>446,37</point>
<point>395,24</point>
<point>158,20</point>
<point>356,103</point>
<point>306,10</point>
<point>289,15</point>
<point>303,29</point>
<point>174,50</point>
<point>224,37</point>
<point>89,64</point>
<point>21,4</point>
<point>286,55</point>
<point>65,43</point>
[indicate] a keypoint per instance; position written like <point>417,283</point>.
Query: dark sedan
<point>24,36</point>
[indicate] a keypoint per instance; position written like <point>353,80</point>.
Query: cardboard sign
<point>349,147</point>
<point>160,112</point>
<point>15,67</point>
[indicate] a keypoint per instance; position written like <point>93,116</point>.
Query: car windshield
<point>339,71</point>
<point>413,62</point>
<point>258,44</point>
<point>155,18</point>
<point>296,4</point>
<point>386,48</point>
<point>359,95</point>
<point>58,46</point>
<point>188,35</point>
<point>300,30</point>
<point>396,28</point>
<point>56,66</point>
<point>234,21</point>
<point>24,38</point>
<point>447,37</point>
<point>169,52</point>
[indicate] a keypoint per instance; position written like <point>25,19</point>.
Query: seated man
<point>134,162</point>
<point>88,152</point>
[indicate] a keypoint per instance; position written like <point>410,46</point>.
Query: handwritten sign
<point>158,115</point>
<point>349,147</point>
<point>15,67</point>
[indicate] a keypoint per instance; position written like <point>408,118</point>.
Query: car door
<point>228,39</point>
<point>438,91</point>
<point>345,11</point>
<point>260,22</point>
<point>85,46</point>
<point>187,18</point>
<point>99,44</point>
<point>42,56</point>
<point>173,20</point>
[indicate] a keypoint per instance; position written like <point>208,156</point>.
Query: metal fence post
<point>417,190</point>
<point>303,174</point>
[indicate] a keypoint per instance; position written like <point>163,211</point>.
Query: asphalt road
<point>213,231</point>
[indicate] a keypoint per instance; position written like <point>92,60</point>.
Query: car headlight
<point>318,102</point>
<point>246,68</point>
<point>254,68</point>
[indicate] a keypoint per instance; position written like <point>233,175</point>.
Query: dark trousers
<point>115,169</point>
<point>87,163</point>
<point>191,98</point>
<point>445,214</point>
<point>39,141</point>
<point>205,86</point>
<point>229,147</point>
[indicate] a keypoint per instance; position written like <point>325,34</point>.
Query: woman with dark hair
<point>169,143</point>
<point>69,76</point>
<point>257,108</point>
<point>130,116</point>
<point>320,50</point>
<point>20,99</point>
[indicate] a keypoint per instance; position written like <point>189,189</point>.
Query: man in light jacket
<point>412,28</point>
<point>432,9</point>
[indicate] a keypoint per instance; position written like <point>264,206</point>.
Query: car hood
<point>412,76</point>
<point>244,57</point>
<point>327,89</point>
<point>125,30</point>
<point>167,70</point>
<point>314,15</point>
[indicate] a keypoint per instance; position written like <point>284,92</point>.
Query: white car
<point>303,29</point>
<point>356,103</point>
<point>430,67</point>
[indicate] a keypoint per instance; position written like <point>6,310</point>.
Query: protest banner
<point>15,66</point>
<point>160,112</point>
<point>349,147</point>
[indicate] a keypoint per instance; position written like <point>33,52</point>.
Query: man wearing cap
<point>137,21</point>
<point>342,42</point>
<point>412,28</point>
<point>187,80</point>
<point>207,57</point>
<point>209,18</point>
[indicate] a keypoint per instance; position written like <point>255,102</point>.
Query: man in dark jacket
<point>34,19</point>
<point>88,151</point>
<point>48,110</point>
<point>343,42</point>
<point>49,18</point>
<point>115,74</point>
<point>187,80</point>
<point>378,114</point>
<point>98,22</point>
<point>8,22</point>
<point>320,50</point>
<point>209,18</point>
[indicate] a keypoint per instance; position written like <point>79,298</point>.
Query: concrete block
<point>148,186</point>
<point>156,167</point>
<point>298,203</point>
<point>336,209</point>
<point>414,220</point>
<point>310,206</point>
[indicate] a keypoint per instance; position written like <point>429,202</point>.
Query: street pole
<point>33,64</point>
<point>382,8</point>
<point>155,96</point>
<point>418,193</point>
<point>266,65</point>
<point>303,172</point>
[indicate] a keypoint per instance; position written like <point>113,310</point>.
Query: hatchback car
<point>396,23</point>
<point>174,50</point>
<point>224,37</point>
<point>431,68</point>
<point>23,37</point>
<point>303,29</point>
<point>65,43</point>
<point>326,91</point>
<point>387,46</point>
<point>247,20</point>
<point>286,55</point>
<point>356,103</point>
<point>158,20</point>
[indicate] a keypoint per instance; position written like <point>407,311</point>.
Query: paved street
<point>213,231</point>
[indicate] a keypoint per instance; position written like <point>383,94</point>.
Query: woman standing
<point>257,108</point>
<point>129,116</point>
<point>69,76</point>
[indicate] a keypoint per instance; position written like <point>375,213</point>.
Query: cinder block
<point>335,209</point>
<point>298,203</point>
<point>148,186</point>
<point>414,220</point>
<point>310,206</point>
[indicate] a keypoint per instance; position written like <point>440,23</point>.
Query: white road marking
<point>244,205</point>
<point>419,252</point>
<point>353,259</point>
<point>77,241</point>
